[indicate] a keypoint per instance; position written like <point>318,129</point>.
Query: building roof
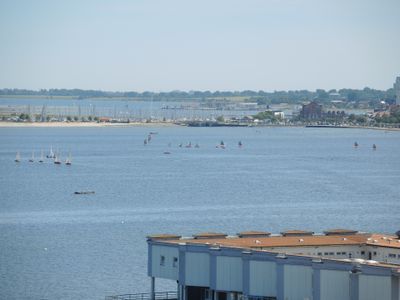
<point>295,238</point>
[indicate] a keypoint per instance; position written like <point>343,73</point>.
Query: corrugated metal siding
<point>167,270</point>
<point>263,278</point>
<point>197,269</point>
<point>375,287</point>
<point>229,273</point>
<point>335,285</point>
<point>297,282</point>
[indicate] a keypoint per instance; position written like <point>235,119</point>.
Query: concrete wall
<point>335,285</point>
<point>229,273</point>
<point>374,287</point>
<point>197,269</point>
<point>167,269</point>
<point>297,282</point>
<point>262,278</point>
<point>384,254</point>
<point>340,252</point>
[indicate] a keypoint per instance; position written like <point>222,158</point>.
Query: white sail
<point>18,157</point>
<point>32,157</point>
<point>57,160</point>
<point>51,154</point>
<point>41,156</point>
<point>68,161</point>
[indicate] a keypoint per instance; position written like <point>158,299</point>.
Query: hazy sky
<point>163,45</point>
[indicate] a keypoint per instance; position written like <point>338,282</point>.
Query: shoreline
<point>157,124</point>
<point>81,124</point>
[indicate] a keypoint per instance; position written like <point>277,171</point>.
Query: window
<point>338,253</point>
<point>362,252</point>
<point>175,262</point>
<point>374,253</point>
<point>331,253</point>
<point>326,253</point>
<point>343,253</point>
<point>319,253</point>
<point>391,255</point>
<point>162,260</point>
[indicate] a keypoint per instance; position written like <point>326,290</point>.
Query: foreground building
<point>294,265</point>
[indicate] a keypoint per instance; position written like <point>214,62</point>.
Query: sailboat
<point>32,159</point>
<point>41,157</point>
<point>51,154</point>
<point>68,161</point>
<point>17,157</point>
<point>57,160</point>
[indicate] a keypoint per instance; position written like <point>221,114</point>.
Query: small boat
<point>41,157</point>
<point>32,159</point>
<point>355,144</point>
<point>373,147</point>
<point>84,192</point>
<point>180,145</point>
<point>57,160</point>
<point>197,145</point>
<point>51,154</point>
<point>240,144</point>
<point>68,161</point>
<point>17,157</point>
<point>149,138</point>
<point>145,142</point>
<point>222,145</point>
<point>189,145</point>
<point>167,152</point>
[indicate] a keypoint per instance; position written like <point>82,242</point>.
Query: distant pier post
<point>152,292</point>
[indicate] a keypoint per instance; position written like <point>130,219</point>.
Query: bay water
<point>55,244</point>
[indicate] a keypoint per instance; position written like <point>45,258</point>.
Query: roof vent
<point>257,242</point>
<point>253,234</point>
<point>340,232</point>
<point>163,237</point>
<point>344,239</point>
<point>296,233</point>
<point>301,240</point>
<point>209,235</point>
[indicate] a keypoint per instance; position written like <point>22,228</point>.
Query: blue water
<point>57,245</point>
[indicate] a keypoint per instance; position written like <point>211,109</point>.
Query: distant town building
<point>396,87</point>
<point>311,111</point>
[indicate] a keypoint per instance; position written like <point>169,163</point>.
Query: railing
<point>145,296</point>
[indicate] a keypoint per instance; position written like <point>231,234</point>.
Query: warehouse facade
<point>295,265</point>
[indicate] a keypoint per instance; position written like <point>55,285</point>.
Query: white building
<point>294,265</point>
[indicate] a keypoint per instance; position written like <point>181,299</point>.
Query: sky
<point>165,45</point>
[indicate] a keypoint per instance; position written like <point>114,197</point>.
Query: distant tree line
<point>261,97</point>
